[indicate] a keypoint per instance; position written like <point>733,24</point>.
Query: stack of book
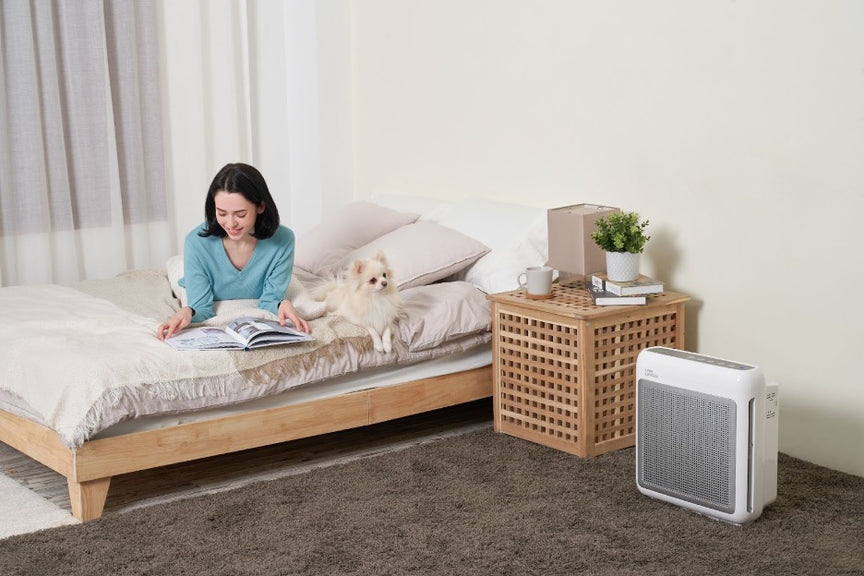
<point>605,292</point>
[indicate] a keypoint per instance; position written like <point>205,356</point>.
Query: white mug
<point>536,280</point>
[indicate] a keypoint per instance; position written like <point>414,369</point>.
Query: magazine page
<point>254,332</point>
<point>204,338</point>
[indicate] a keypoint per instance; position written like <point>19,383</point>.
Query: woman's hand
<point>287,312</point>
<point>177,322</point>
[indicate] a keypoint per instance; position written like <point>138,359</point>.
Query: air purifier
<point>706,434</point>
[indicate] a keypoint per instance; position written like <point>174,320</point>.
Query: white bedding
<point>82,359</point>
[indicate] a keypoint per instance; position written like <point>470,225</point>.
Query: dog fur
<point>366,295</point>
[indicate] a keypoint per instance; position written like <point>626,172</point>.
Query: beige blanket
<point>82,359</point>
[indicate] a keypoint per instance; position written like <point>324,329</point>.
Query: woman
<point>240,252</point>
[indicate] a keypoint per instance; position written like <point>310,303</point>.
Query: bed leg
<point>88,498</point>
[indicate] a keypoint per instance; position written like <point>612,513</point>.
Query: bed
<point>89,391</point>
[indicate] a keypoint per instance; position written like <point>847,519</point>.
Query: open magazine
<point>241,334</point>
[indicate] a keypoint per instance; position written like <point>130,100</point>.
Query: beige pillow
<point>321,249</point>
<point>422,253</point>
<point>438,313</point>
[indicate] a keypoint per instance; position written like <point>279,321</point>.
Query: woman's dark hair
<point>249,182</point>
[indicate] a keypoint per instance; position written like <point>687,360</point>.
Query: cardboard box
<point>571,248</point>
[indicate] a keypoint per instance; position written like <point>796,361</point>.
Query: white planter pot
<point>622,266</point>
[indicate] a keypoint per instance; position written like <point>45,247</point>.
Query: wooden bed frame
<point>89,469</point>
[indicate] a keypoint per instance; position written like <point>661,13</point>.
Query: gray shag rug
<point>475,504</point>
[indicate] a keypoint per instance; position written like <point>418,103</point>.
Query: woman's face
<point>236,214</point>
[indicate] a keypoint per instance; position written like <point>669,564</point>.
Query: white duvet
<point>81,359</point>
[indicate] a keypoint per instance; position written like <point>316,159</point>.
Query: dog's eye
<point>384,275</point>
<point>373,280</point>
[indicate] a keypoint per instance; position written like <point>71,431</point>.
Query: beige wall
<point>737,128</point>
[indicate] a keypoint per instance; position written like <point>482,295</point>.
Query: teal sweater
<point>209,274</point>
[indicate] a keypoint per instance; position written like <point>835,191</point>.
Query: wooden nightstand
<point>564,369</point>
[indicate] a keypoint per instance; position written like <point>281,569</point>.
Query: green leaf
<point>621,232</point>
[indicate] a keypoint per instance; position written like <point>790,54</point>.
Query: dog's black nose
<point>384,283</point>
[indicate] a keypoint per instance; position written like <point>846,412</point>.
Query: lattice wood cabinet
<point>564,369</point>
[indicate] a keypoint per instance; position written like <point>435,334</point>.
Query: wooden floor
<point>188,479</point>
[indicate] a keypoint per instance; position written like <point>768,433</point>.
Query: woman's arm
<point>278,273</point>
<point>176,323</point>
<point>197,277</point>
<point>287,313</point>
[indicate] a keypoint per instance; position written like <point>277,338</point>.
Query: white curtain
<point>82,181</point>
<point>241,82</point>
<point>116,114</point>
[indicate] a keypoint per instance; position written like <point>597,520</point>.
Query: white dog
<point>366,295</point>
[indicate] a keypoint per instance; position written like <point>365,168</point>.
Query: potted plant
<point>623,237</point>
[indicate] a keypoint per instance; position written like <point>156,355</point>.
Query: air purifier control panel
<point>693,357</point>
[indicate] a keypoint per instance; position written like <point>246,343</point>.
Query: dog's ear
<point>381,257</point>
<point>357,267</point>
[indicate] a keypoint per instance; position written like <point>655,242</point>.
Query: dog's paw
<point>376,340</point>
<point>387,339</point>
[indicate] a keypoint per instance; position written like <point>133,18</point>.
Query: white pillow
<point>227,310</point>
<point>174,267</point>
<point>307,307</point>
<point>322,248</point>
<point>516,235</point>
<point>422,253</point>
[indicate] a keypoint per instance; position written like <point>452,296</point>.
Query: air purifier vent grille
<point>686,445</point>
